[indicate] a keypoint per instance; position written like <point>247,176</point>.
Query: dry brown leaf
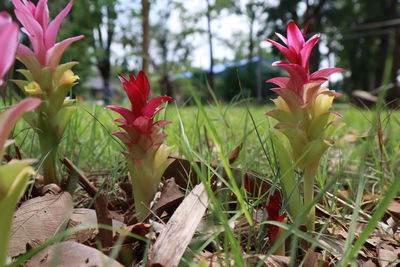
<point>368,263</point>
<point>218,260</point>
<point>66,254</point>
<point>39,219</point>
<point>140,229</point>
<point>312,258</point>
<point>394,210</point>
<point>388,256</point>
<point>170,198</point>
<point>83,216</point>
<point>235,153</point>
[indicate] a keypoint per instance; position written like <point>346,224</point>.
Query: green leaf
<point>13,179</point>
<point>63,117</point>
<point>27,74</point>
<point>287,179</point>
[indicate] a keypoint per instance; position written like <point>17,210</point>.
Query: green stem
<point>308,181</point>
<point>144,187</point>
<point>49,146</point>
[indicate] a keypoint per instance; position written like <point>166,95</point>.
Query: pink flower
<point>142,132</point>
<point>8,43</point>
<point>302,86</point>
<point>42,32</point>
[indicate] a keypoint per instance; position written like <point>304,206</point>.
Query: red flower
<point>297,51</point>
<point>273,208</point>
<point>142,132</point>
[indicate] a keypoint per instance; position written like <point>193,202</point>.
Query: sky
<point>224,27</point>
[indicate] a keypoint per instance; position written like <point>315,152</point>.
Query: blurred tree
<point>172,46</point>
<point>213,10</point>
<point>145,35</point>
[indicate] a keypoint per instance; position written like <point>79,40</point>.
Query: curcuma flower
<point>45,77</point>
<point>9,42</point>
<point>147,155</point>
<point>302,113</point>
<point>42,32</point>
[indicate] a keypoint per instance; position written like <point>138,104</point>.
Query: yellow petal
<point>68,77</point>
<point>322,103</point>
<point>281,104</point>
<point>33,88</point>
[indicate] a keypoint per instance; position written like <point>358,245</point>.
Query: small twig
<point>104,217</point>
<point>83,180</point>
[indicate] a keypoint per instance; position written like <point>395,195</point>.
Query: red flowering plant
<point>305,125</point>
<point>45,77</point>
<point>147,155</point>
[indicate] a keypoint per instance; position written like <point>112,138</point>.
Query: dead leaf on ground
<point>313,258</point>
<point>170,198</point>
<point>218,260</point>
<point>368,263</point>
<point>235,153</point>
<point>70,253</point>
<point>140,229</point>
<point>39,219</point>
<point>83,216</point>
<point>388,256</point>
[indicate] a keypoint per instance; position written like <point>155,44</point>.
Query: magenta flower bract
<point>302,83</point>
<point>8,43</point>
<point>42,32</point>
<point>273,207</point>
<point>141,131</point>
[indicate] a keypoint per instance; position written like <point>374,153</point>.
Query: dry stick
<point>100,203</point>
<point>83,180</point>
<point>172,242</point>
<point>104,217</point>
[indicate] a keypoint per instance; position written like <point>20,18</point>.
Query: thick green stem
<point>49,167</point>
<point>308,181</point>
<point>49,146</point>
<point>144,187</point>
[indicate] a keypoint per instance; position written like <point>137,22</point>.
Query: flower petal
<point>289,54</point>
<point>126,113</point>
<point>325,73</point>
<point>295,38</point>
<point>280,81</point>
<point>150,109</point>
<point>54,26</point>
<point>55,53</point>
<point>9,43</point>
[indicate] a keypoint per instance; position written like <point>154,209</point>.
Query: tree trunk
<point>210,43</point>
<point>393,95</point>
<point>146,35</point>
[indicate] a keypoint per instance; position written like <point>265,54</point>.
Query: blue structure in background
<point>252,74</point>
